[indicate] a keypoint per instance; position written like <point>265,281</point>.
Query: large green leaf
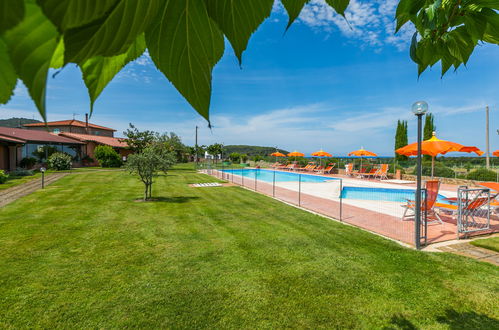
<point>112,34</point>
<point>238,19</point>
<point>293,7</point>
<point>339,5</point>
<point>11,14</point>
<point>31,45</point>
<point>8,77</point>
<point>58,56</point>
<point>99,71</point>
<point>185,44</point>
<point>67,14</point>
<point>406,10</point>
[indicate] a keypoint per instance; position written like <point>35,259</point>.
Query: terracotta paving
<point>381,223</point>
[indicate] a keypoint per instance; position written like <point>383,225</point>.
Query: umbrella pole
<point>432,165</point>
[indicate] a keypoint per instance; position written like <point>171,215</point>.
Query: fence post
<point>223,173</point>
<point>299,189</point>
<point>341,199</point>
<point>242,178</point>
<point>273,186</point>
<point>255,180</point>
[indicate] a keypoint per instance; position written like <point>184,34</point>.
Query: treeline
<point>17,122</point>
<point>252,151</point>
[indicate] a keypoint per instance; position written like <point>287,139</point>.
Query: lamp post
<point>419,109</point>
<point>42,169</point>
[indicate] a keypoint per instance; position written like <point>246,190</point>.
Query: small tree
<point>139,140</point>
<point>107,156</point>
<point>429,128</point>
<point>244,158</point>
<point>215,150</point>
<point>234,157</point>
<point>153,158</point>
<point>401,139</point>
<point>59,161</point>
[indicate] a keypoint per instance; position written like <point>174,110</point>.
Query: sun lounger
<point>319,169</point>
<point>383,172</point>
<point>472,206</point>
<point>371,174</point>
<point>432,188</point>
<point>329,168</point>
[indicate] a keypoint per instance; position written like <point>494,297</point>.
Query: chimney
<point>86,123</point>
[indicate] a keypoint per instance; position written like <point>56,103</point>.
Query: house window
<point>56,131</point>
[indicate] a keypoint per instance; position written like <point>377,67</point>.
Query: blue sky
<point>324,84</point>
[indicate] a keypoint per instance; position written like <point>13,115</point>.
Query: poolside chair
<point>305,168</point>
<point>329,168</point>
<point>474,205</point>
<point>371,174</point>
<point>383,172</point>
<point>432,188</point>
<point>349,169</point>
<point>312,168</point>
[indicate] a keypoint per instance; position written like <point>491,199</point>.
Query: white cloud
<point>371,22</point>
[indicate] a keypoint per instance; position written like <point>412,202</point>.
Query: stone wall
<point>459,182</point>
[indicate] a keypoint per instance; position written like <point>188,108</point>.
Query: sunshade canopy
<point>296,154</point>
<point>321,153</point>
<point>362,153</point>
<point>278,154</point>
<point>496,153</point>
<point>434,146</point>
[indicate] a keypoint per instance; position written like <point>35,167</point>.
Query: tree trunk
<point>145,191</point>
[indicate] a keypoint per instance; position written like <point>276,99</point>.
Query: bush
<point>3,177</point>
<point>87,159</point>
<point>234,157</point>
<point>21,172</point>
<point>107,156</point>
<point>440,170</point>
<point>59,161</point>
<point>482,174</point>
<point>27,162</point>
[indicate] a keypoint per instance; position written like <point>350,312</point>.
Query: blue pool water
<point>268,175</point>
<point>381,194</point>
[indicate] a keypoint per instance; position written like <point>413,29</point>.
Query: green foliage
<point>16,122</point>
<point>429,128</point>
<point>440,170</point>
<point>401,139</point>
<point>107,156</point>
<point>253,150</point>
<point>139,140</point>
<point>448,31</point>
<point>482,174</point>
<point>185,38</point>
<point>215,150</point>
<point>20,172</point>
<point>148,163</point>
<point>243,158</point>
<point>234,157</point>
<point>27,162</point>
<point>59,161</point>
<point>173,143</point>
<point>3,177</point>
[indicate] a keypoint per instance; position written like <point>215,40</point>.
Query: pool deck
<point>382,217</point>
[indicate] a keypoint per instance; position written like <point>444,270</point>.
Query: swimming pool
<point>381,194</point>
<point>268,175</point>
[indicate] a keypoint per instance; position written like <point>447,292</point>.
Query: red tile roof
<point>110,141</point>
<point>26,135</point>
<point>11,139</point>
<point>72,122</point>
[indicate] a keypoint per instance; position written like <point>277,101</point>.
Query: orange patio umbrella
<point>321,153</point>
<point>361,153</point>
<point>296,154</point>
<point>277,154</point>
<point>496,153</point>
<point>433,147</point>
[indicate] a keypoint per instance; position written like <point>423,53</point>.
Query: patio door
<point>473,210</point>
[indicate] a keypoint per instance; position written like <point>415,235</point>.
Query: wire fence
<point>365,202</point>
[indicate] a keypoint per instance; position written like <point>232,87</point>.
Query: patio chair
<point>319,169</point>
<point>371,174</point>
<point>475,204</point>
<point>329,168</point>
<point>349,169</point>
<point>432,188</point>
<point>383,172</point>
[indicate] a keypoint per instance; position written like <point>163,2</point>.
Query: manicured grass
<point>488,243</point>
<point>17,180</point>
<point>84,254</point>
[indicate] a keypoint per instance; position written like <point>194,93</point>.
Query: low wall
<point>459,182</point>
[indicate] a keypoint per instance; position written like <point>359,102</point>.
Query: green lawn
<point>84,254</point>
<point>488,243</point>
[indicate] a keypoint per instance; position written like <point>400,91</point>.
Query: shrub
<point>21,172</point>
<point>59,161</point>
<point>27,162</point>
<point>440,170</point>
<point>107,156</point>
<point>87,159</point>
<point>482,174</point>
<point>234,157</point>
<point>3,177</point>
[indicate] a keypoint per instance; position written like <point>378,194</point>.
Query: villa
<point>74,137</point>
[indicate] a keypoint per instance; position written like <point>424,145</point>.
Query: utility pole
<point>196,147</point>
<point>487,150</point>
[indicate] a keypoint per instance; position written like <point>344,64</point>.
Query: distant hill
<point>251,150</point>
<point>17,122</point>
